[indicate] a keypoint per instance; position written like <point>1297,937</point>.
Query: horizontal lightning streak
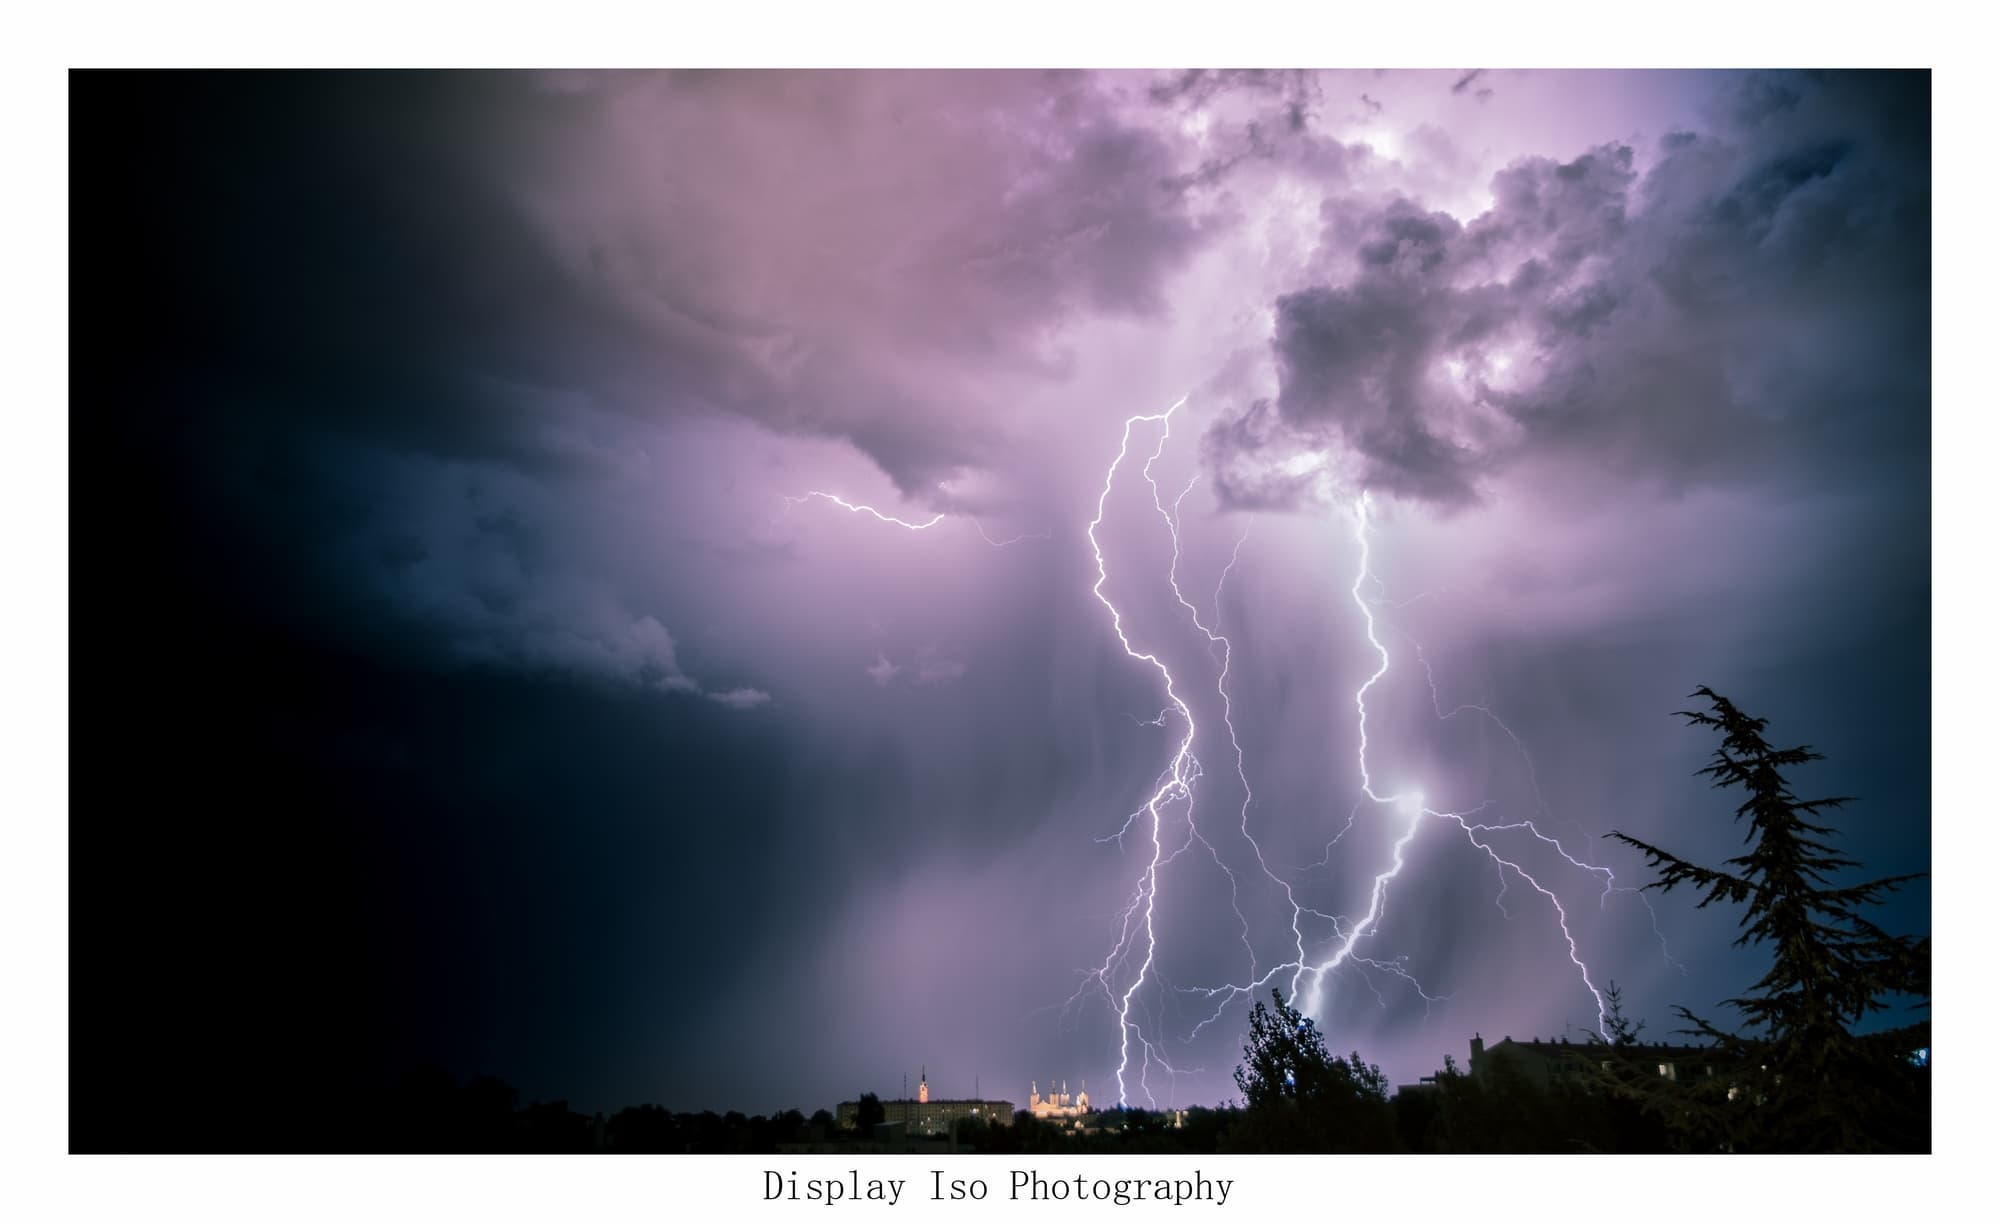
<point>856,508</point>
<point>852,508</point>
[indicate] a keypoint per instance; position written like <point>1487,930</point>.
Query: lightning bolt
<point>1173,522</point>
<point>1611,883</point>
<point>1132,959</point>
<point>870,510</point>
<point>1411,809</point>
<point>1136,935</point>
<point>1216,637</point>
<point>1410,805</point>
<point>1175,782</point>
<point>854,508</point>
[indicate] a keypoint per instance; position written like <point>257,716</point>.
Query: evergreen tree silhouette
<point>1798,1077</point>
<point>1624,1032</point>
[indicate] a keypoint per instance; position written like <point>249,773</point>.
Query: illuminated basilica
<point>928,1117</point>
<point>1058,1103</point>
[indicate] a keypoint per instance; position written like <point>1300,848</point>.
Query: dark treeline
<point>430,1112</point>
<point>1296,1099</point>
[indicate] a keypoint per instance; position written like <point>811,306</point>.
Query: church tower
<point>923,1086</point>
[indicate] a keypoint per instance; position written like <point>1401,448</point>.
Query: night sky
<point>494,692</point>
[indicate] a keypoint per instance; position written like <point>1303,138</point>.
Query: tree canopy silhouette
<point>1801,1078</point>
<point>1298,1097</point>
<point>869,1113</point>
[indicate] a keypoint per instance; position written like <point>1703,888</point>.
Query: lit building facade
<point>1547,1063</point>
<point>1058,1105</point>
<point>925,1116</point>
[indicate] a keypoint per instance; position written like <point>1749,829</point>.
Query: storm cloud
<point>1656,325</point>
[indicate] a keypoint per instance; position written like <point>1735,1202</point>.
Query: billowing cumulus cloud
<point>1662,325</point>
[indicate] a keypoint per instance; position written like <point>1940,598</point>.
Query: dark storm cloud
<point>1298,92</point>
<point>1245,453</point>
<point>1678,327</point>
<point>421,305</point>
<point>1360,354</point>
<point>452,563</point>
<point>1266,123</point>
<point>833,253</point>
<point>1253,144</point>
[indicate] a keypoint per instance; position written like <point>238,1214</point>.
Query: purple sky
<point>487,410</point>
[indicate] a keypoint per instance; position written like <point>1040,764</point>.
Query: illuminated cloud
<point>1664,324</point>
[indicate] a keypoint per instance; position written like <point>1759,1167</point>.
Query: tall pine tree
<point>1796,1076</point>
